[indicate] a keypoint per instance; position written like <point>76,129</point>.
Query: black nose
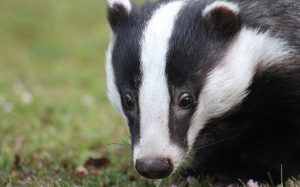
<point>154,168</point>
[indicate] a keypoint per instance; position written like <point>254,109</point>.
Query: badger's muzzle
<point>154,168</point>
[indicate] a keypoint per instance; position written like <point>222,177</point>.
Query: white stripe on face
<point>154,96</point>
<point>226,86</point>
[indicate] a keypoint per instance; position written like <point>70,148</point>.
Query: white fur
<point>112,92</point>
<point>227,84</point>
<point>217,4</point>
<point>125,3</point>
<point>225,87</point>
<point>154,96</point>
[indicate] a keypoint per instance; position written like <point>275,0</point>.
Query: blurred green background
<point>54,113</point>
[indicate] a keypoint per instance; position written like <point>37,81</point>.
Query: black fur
<point>281,17</point>
<point>258,139</point>
<point>260,136</point>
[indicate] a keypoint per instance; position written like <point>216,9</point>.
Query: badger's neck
<point>227,84</point>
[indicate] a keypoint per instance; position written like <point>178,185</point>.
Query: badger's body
<point>215,81</point>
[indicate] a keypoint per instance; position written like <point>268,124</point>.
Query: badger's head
<point>171,67</point>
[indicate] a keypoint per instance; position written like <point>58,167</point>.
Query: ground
<point>57,127</point>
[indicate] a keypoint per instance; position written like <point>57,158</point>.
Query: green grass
<point>54,113</point>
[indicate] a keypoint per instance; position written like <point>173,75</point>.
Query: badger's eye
<point>128,101</point>
<point>185,100</point>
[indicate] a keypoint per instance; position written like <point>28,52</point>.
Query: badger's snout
<point>154,168</point>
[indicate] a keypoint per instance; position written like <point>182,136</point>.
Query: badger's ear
<point>224,18</point>
<point>118,11</point>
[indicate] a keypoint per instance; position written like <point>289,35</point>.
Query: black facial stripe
<point>179,120</point>
<point>194,50</point>
<point>126,62</point>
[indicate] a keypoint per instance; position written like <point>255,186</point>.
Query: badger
<point>208,87</point>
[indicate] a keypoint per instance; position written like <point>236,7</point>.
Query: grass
<point>54,114</point>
